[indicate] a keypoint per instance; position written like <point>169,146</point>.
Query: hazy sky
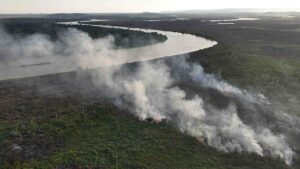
<point>99,6</point>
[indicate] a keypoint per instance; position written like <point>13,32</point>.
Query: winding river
<point>176,44</point>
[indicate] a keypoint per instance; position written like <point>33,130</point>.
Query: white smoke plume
<point>150,91</point>
<point>71,43</point>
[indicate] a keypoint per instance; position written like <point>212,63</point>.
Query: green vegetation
<point>124,38</point>
<point>67,135</point>
<point>277,78</point>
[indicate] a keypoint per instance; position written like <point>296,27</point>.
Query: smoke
<point>22,56</point>
<point>171,90</point>
<point>150,93</point>
<point>71,43</point>
<point>34,46</point>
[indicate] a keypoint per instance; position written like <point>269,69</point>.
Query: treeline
<point>123,38</point>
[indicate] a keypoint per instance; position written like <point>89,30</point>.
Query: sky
<point>117,6</point>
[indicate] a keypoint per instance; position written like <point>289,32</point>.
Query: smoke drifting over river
<point>223,116</point>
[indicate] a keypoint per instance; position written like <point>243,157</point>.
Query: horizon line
<point>247,10</point>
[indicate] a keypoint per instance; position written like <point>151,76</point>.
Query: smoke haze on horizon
<point>117,6</point>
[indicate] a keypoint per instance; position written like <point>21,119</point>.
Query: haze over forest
<point>116,6</point>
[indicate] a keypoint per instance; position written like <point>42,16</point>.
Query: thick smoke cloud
<point>23,56</point>
<point>71,43</point>
<point>31,46</point>
<point>149,92</point>
<point>246,121</point>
